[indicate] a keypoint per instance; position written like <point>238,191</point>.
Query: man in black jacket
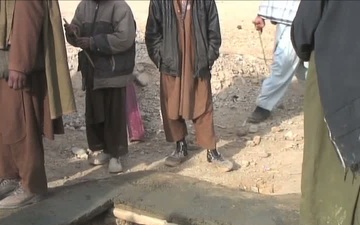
<point>183,40</point>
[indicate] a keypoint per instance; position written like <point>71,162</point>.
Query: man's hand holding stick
<point>73,32</point>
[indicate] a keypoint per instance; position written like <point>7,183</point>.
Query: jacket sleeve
<point>124,32</point>
<point>304,27</point>
<point>153,33</point>
<point>77,22</point>
<point>25,38</point>
<point>214,33</point>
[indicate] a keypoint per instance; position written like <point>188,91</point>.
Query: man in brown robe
<point>25,113</point>
<point>183,40</point>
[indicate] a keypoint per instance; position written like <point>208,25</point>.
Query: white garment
<point>285,65</point>
<point>279,11</point>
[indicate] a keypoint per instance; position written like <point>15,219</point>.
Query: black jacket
<point>329,29</point>
<point>161,37</point>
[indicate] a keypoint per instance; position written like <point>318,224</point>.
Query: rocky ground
<point>268,156</point>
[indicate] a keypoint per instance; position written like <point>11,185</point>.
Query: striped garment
<point>279,11</point>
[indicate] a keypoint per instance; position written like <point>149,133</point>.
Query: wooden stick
<point>263,49</point>
<point>86,53</point>
<point>137,218</point>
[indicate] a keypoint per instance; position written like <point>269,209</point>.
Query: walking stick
<point>263,49</point>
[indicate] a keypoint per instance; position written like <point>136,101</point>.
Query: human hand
<point>259,23</point>
<point>16,80</point>
<point>71,29</point>
<point>83,42</point>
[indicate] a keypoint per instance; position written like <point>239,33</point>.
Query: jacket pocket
<point>166,53</point>
<point>103,63</point>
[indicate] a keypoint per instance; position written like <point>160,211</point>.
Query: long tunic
<point>327,198</point>
<point>187,98</point>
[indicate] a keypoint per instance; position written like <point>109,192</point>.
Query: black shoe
<point>259,115</point>
<point>178,156</point>
<point>213,156</point>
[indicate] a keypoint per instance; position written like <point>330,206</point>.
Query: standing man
<point>285,64</point>
<point>105,30</point>
<point>325,33</point>
<point>183,40</point>
<point>35,91</point>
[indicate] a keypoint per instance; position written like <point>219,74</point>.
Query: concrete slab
<point>178,199</point>
<point>188,201</point>
<point>72,204</point>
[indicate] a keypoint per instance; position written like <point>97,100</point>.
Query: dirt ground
<point>268,159</point>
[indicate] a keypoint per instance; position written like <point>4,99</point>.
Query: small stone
<point>83,156</point>
<point>289,135</point>
<point>250,144</point>
<point>276,129</point>
<point>241,132</point>
<point>140,68</point>
<point>79,152</point>
<point>253,128</point>
<point>264,155</point>
<point>257,140</point>
<point>301,146</point>
<point>289,146</point>
<point>83,128</point>
<point>245,163</point>
<point>239,27</point>
<point>299,138</point>
<point>254,81</point>
<point>255,189</point>
<point>142,79</point>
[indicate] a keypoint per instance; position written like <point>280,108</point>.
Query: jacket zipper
<point>95,16</point>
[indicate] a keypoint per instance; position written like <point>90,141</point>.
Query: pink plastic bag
<point>134,121</point>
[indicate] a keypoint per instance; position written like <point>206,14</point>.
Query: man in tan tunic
<point>183,40</point>
<point>27,111</point>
